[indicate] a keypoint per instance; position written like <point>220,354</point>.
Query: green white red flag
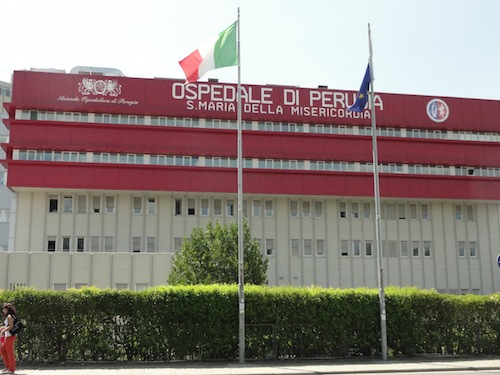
<point>217,52</point>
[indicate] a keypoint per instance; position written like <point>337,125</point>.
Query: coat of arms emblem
<point>91,86</point>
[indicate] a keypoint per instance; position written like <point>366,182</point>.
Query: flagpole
<point>241,285</point>
<point>380,264</point>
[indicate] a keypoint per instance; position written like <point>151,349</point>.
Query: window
<point>137,209</point>
<point>269,247</point>
<point>80,244</point>
<point>458,212</point>
<point>404,248</point>
<point>230,207</point>
<point>217,207</point>
<point>66,243</point>
<point>356,248</point>
<point>177,244</point>
<point>51,243</point>
<point>256,208</point>
<point>109,244</point>
<point>318,210</point>
<point>354,210</point>
<point>136,244</point>
<point>191,206</point>
<point>427,248</point>
<point>461,249</point>
<point>82,204</point>
<point>269,208</point>
<point>294,209</point>
<point>343,210</point>
<point>320,248</point>
<point>110,205</point>
<point>367,212</point>
<point>368,248</point>
<point>307,247</point>
<point>294,246</point>
<point>95,244</point>
<point>53,203</point>
<point>415,245</point>
<point>472,249</point>
<point>470,212</point>
<point>96,204</point>
<point>204,207</point>
<point>424,212</point>
<point>413,211</point>
<point>402,211</point>
<point>344,248</point>
<point>178,206</point>
<point>150,244</point>
<point>306,209</point>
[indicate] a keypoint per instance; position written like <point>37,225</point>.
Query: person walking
<point>7,344</point>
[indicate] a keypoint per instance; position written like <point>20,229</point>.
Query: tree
<point>210,256</point>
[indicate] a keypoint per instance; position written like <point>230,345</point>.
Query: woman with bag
<point>7,347</point>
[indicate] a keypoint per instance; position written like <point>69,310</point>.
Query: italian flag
<point>217,52</point>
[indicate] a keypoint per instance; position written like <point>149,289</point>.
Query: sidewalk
<point>272,368</point>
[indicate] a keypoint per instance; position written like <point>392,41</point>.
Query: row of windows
<point>201,161</point>
<point>255,125</point>
<point>305,247</point>
<point>388,211</point>
<point>4,91</point>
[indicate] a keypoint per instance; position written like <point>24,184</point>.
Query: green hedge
<point>201,323</point>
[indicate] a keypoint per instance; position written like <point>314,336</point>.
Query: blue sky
<point>427,47</point>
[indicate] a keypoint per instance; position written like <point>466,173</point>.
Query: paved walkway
<point>273,368</point>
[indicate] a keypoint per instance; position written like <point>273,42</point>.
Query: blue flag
<point>362,97</point>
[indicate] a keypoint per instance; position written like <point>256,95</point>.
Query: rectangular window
<point>137,210</point>
<point>354,210</point>
<point>306,209</point>
<point>256,208</point>
<point>402,211</point>
<point>415,245</point>
<point>109,244</point>
<point>404,248</point>
<point>343,210</point>
<point>320,248</point>
<point>367,212</point>
<point>51,243</point>
<point>178,206</point>
<point>368,248</point>
<point>204,207</point>
<point>96,204</point>
<point>472,249</point>
<point>344,248</point>
<point>53,201</point>
<point>425,211</point>
<point>458,212</point>
<point>217,207</point>
<point>470,212</point>
<point>191,206</point>
<point>269,247</point>
<point>151,244</point>
<point>230,207</point>
<point>66,243</point>
<point>356,248</point>
<point>461,249</point>
<point>307,247</point>
<point>294,209</point>
<point>95,244</point>
<point>80,244</point>
<point>82,204</point>
<point>427,248</point>
<point>136,244</point>
<point>110,204</point>
<point>68,204</point>
<point>318,210</point>
<point>413,211</point>
<point>294,245</point>
<point>269,208</point>
<point>177,244</point>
